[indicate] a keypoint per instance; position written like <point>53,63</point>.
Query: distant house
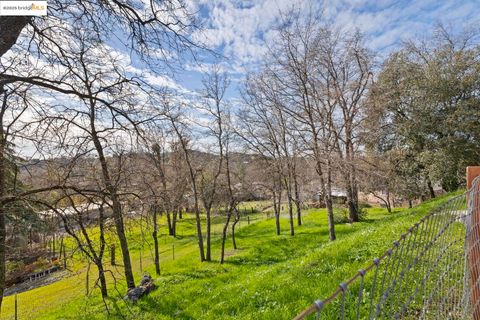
<point>339,196</point>
<point>89,212</point>
<point>69,211</point>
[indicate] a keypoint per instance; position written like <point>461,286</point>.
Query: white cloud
<point>162,81</point>
<point>239,28</point>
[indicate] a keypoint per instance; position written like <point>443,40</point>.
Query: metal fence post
<point>474,256</point>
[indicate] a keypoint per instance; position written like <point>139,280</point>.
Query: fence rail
<point>431,272</point>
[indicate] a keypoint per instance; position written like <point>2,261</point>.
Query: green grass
<point>268,277</point>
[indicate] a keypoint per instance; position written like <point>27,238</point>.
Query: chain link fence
<point>429,273</point>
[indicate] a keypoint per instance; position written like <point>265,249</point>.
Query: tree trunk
<point>326,187</point>
<point>389,208</point>
<point>208,254</point>
<point>224,237</point>
<point>116,206</point>
<point>174,222</point>
<point>297,199</point>
<point>112,255</point>
<point>2,244</point>
<point>288,185</point>
<point>193,182</point>
<point>3,230</point>
<point>385,201</point>
<point>155,243</point>
<point>430,188</point>
<point>102,280</point>
<point>328,201</point>
<point>352,191</point>
<point>352,207</point>
<point>10,28</point>
<point>331,222</point>
<point>117,215</point>
<point>234,242</point>
<point>169,222</point>
<point>355,194</point>
<point>389,203</point>
<point>290,216</point>
<point>354,186</point>
<point>199,226</point>
<point>276,211</point>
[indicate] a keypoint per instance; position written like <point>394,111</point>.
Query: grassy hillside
<point>268,277</point>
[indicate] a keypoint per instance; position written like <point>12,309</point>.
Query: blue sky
<point>238,29</point>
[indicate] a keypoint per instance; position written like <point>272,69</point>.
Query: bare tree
<point>164,179</point>
<point>158,32</point>
<point>153,31</point>
<point>346,73</point>
<point>8,97</point>
<point>295,81</point>
<point>15,100</point>
<point>378,178</point>
<point>262,91</point>
<point>78,223</point>
<point>258,128</point>
<point>178,127</point>
<point>215,86</point>
<point>102,119</point>
<point>232,197</point>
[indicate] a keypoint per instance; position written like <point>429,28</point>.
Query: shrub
<point>340,215</point>
<point>362,213</point>
<point>41,264</point>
